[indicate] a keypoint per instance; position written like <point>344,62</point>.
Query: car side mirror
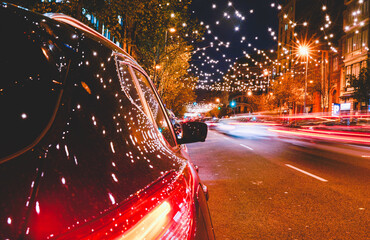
<point>193,132</point>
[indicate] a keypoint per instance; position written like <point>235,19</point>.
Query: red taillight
<point>164,211</point>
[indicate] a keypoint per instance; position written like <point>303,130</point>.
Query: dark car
<point>87,149</point>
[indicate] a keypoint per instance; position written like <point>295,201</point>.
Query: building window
<point>335,64</point>
<point>365,8</point>
<point>353,70</point>
<point>348,73</point>
<point>356,69</point>
<point>365,35</point>
<point>349,45</point>
<point>356,41</point>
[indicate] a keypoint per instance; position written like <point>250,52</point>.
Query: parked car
<point>87,149</point>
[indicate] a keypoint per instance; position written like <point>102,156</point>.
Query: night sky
<point>259,16</point>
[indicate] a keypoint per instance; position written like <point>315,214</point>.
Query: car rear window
<point>30,79</point>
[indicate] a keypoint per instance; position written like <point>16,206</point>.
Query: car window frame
<point>132,69</point>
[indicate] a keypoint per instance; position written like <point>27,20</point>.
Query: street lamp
<point>303,51</point>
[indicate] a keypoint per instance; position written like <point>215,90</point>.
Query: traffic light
<point>232,104</point>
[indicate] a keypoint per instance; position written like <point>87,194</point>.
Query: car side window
<point>155,108</point>
<point>126,82</point>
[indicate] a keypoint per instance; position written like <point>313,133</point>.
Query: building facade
<point>317,24</point>
<point>355,48</point>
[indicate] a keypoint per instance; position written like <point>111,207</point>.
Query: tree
<point>145,32</point>
<point>74,8</point>
<point>286,89</point>
<point>361,85</point>
<point>263,102</point>
<point>215,112</point>
<point>179,93</point>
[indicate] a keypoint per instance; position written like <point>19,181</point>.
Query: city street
<point>272,187</point>
<point>114,113</point>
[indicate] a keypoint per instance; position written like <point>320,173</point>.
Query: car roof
<point>60,17</point>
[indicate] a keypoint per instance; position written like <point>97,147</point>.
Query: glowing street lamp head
<point>303,50</point>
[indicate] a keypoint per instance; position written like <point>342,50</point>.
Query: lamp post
<point>156,68</point>
<point>171,30</point>
<point>266,73</point>
<point>156,60</point>
<point>304,52</point>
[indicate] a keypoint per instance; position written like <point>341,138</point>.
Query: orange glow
<point>44,51</point>
<point>151,226</point>
<point>86,87</point>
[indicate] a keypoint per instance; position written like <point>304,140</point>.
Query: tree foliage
<point>361,85</point>
<point>286,89</point>
<point>263,102</point>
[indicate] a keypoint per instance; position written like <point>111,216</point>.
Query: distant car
<point>175,123</point>
<point>87,148</point>
<point>212,123</point>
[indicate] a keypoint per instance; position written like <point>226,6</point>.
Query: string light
<point>206,59</point>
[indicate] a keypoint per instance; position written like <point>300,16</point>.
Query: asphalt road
<point>269,187</point>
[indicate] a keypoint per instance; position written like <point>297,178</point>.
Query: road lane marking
<point>307,173</point>
<point>246,147</point>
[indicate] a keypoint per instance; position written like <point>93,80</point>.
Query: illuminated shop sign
<point>345,106</point>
